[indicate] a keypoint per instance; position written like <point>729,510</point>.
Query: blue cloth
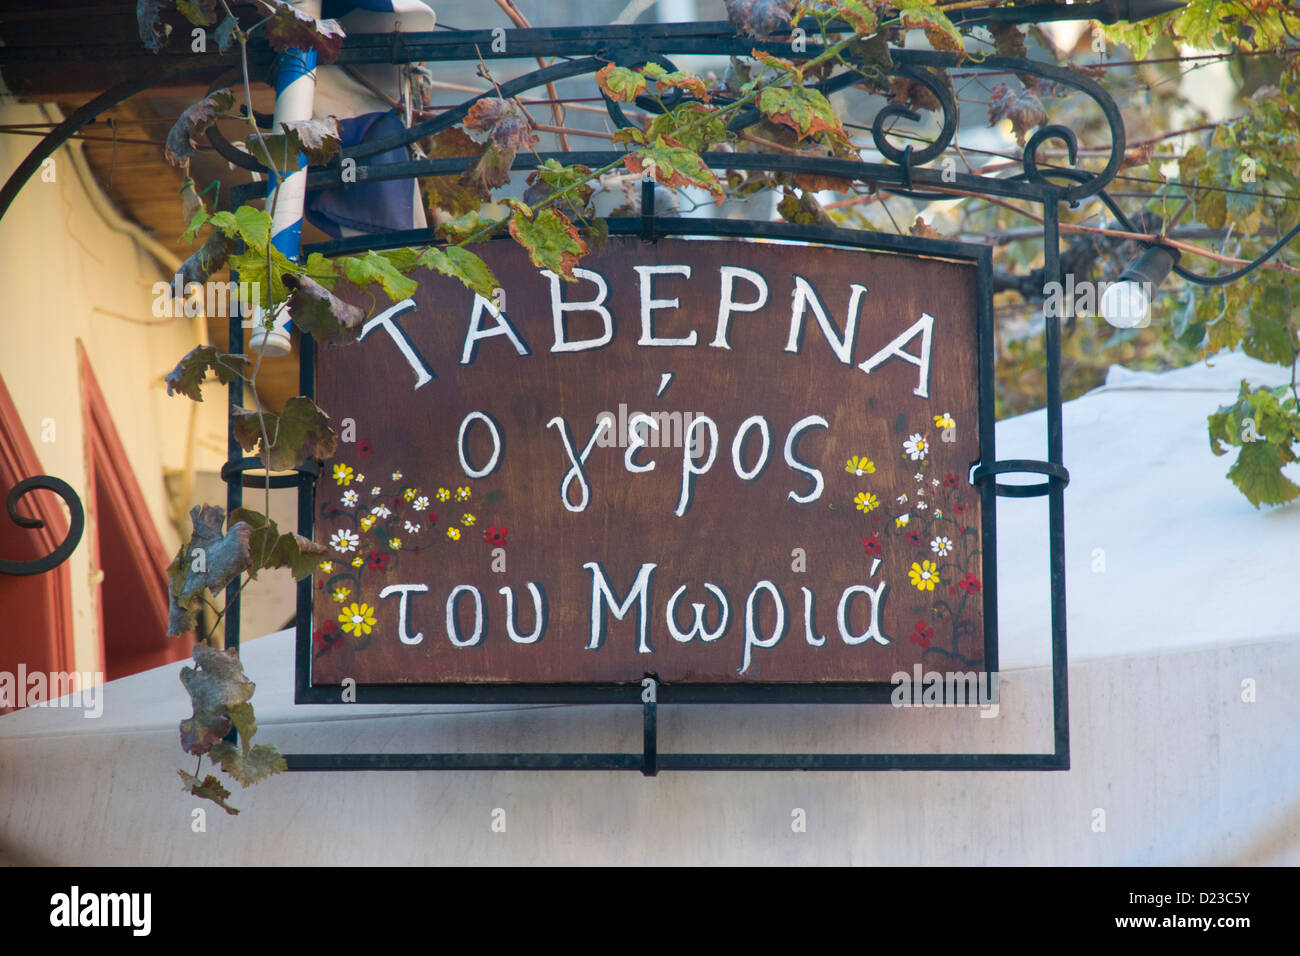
<point>365,206</point>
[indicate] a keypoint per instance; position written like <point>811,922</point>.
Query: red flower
<point>950,480</point>
<point>325,637</point>
<point>922,635</point>
<point>970,584</point>
<point>398,502</point>
<point>364,448</point>
<point>495,536</point>
<point>914,536</point>
<point>433,520</point>
<point>378,561</point>
<point>871,544</point>
<point>959,509</point>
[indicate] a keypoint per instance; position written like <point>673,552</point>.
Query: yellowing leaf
<point>551,240</point>
<point>619,83</point>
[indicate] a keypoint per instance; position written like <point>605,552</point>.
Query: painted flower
<point>376,490</point>
<point>941,546</point>
<point>902,499</point>
<point>462,493</point>
<point>495,535</point>
<point>341,594</point>
<point>934,482</point>
<point>970,584</point>
<point>860,466</point>
<point>412,528</point>
<point>327,567</point>
<point>944,421</point>
<point>395,544</point>
<point>921,506</point>
<point>349,499</point>
<point>368,522</point>
<point>919,477</point>
<point>467,520</point>
<point>326,636</point>
<point>364,448</point>
<point>921,635</point>
<point>950,480</point>
<point>924,575</point>
<point>453,533</point>
<point>343,474</point>
<point>871,545</point>
<point>380,511</point>
<point>916,447</point>
<point>360,479</point>
<point>443,494</point>
<point>901,521</point>
<point>357,619</point>
<point>938,513</point>
<point>420,503</point>
<point>358,561</point>
<point>866,501</point>
<point>959,509</point>
<point>914,536</point>
<point>397,476</point>
<point>410,493</point>
<point>379,561</point>
<point>344,541</point>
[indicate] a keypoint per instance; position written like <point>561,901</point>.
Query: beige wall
<point>67,275</point>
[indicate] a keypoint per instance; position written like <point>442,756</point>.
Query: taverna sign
<point>734,466</point>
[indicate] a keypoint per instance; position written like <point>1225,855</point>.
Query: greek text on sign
<point>714,461</point>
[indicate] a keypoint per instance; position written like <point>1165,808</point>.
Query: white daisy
<point>344,541</point>
<point>412,527</point>
<point>941,546</point>
<point>921,506</point>
<point>374,490</point>
<point>420,503</point>
<point>349,498</point>
<point>397,476</point>
<point>901,499</point>
<point>918,477</point>
<point>380,510</point>
<point>935,482</point>
<point>916,447</point>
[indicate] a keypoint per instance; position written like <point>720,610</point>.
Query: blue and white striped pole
<point>295,94</point>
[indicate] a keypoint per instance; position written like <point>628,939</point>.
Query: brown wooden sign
<point>714,461</point>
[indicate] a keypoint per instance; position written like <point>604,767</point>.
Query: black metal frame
<point>902,174</point>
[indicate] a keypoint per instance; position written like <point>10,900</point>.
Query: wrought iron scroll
<point>76,524</point>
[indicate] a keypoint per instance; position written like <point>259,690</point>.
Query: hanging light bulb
<point>1126,304</point>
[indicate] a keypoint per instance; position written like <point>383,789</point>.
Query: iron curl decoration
<point>634,46</point>
<point>76,525</point>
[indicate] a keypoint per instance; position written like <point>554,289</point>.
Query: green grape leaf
<point>939,30</point>
<point>192,123</point>
<point>209,789</point>
<point>300,432</point>
<point>619,83</point>
<point>317,139</point>
<point>460,263</point>
<point>450,194</point>
<point>1258,473</point>
<point>803,109</point>
<point>191,370</point>
<point>552,241</point>
<point>673,165</point>
<point>373,267</point>
<point>201,13</point>
<point>248,768</point>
